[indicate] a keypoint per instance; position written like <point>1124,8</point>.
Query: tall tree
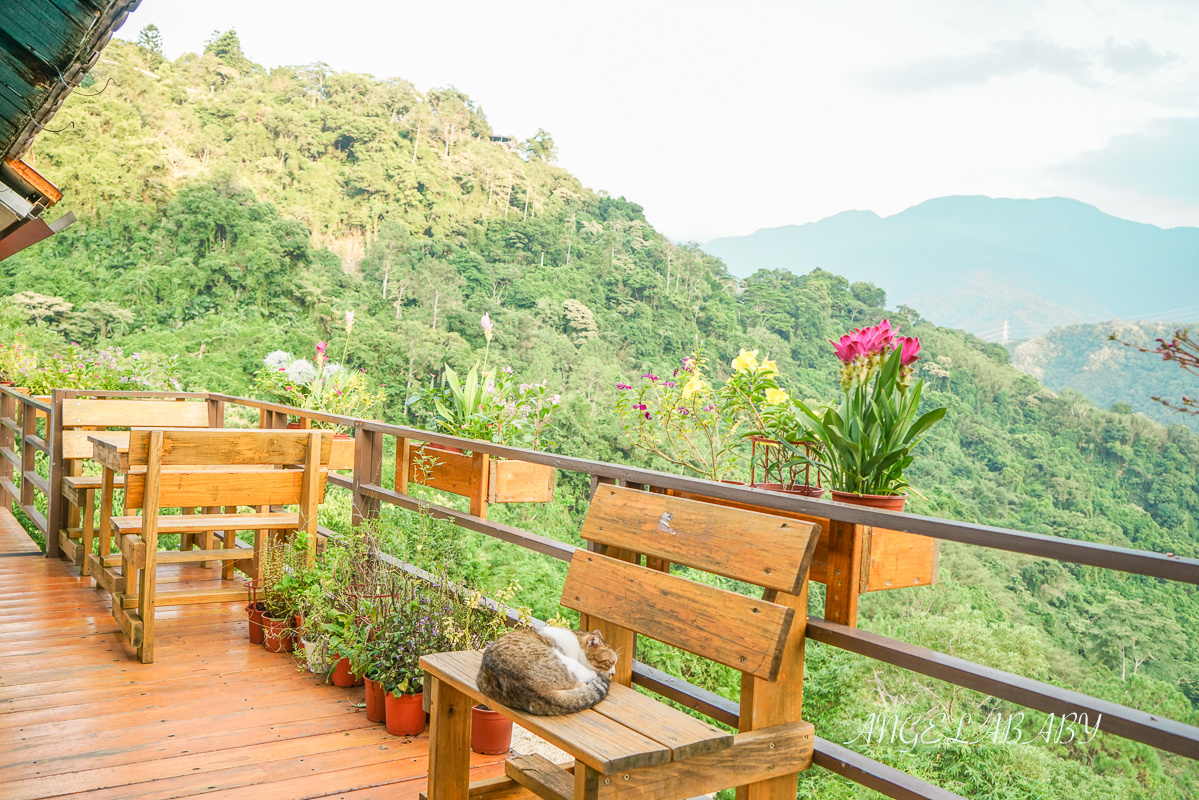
<point>150,41</point>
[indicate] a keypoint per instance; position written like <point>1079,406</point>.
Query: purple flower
<point>652,377</point>
<point>640,406</point>
<point>709,408</point>
<point>647,415</point>
<point>669,384</point>
<point>683,411</point>
<point>623,386</point>
<point>507,370</point>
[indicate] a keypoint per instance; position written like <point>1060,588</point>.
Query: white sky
<point>724,117</point>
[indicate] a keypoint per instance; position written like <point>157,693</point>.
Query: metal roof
<point>46,47</point>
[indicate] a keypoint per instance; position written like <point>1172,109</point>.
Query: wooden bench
<point>82,417</point>
<point>630,745</point>
<point>221,468</point>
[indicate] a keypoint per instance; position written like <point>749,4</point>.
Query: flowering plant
<point>490,406</point>
<point>109,369</point>
<point>16,359</point>
<point>683,420</point>
<point>866,441</point>
<point>316,385</point>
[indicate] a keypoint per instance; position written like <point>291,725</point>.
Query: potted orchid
<point>867,439</point>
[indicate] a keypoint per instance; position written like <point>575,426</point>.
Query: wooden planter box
<point>890,559</point>
<point>342,456</point>
<point>520,482</point>
<point>478,476</point>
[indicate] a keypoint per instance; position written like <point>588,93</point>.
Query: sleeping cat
<point>547,672</point>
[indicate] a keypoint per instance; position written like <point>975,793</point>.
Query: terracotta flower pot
<point>342,676</point>
<point>490,731</point>
<point>886,502</point>
<point>254,618</point>
<point>277,635</point>
<point>376,701</point>
<point>405,714</point>
<point>806,491</point>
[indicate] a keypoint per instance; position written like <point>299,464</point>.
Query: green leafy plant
<point>866,441</point>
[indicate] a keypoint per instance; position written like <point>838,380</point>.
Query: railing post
<point>8,439</point>
<point>29,459</point>
<point>403,463</point>
<point>368,469</point>
<point>844,579</point>
<point>480,476</point>
<point>55,503</point>
<point>216,413</point>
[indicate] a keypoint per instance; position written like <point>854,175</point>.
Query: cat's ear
<point>595,639</point>
<point>597,633</point>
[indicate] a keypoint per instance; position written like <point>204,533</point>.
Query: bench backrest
<point>222,467</point>
<point>749,634</point>
<point>78,416</point>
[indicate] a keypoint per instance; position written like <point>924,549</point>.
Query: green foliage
<point>235,212</point>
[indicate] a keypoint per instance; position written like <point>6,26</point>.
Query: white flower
<point>349,320</point>
<point>277,359</point>
<point>555,399</point>
<point>301,371</point>
<point>332,369</point>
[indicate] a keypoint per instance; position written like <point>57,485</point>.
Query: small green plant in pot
<point>866,440</point>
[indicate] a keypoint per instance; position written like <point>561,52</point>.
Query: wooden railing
<point>847,526</point>
<point>24,432</point>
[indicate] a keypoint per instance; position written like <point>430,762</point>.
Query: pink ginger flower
<point>908,348</point>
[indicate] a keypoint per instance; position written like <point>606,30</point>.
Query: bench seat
<point>201,523</point>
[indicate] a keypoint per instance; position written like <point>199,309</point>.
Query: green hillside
<point>1083,358</point>
<point>228,211</point>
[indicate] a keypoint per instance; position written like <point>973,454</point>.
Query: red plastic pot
<point>806,491</point>
<point>254,618</point>
<point>342,676</point>
<point>277,635</point>
<point>886,502</point>
<point>376,701</point>
<point>490,731</point>
<point>405,714</point>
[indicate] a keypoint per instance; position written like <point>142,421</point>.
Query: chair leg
<point>89,528</point>
<point>449,742</point>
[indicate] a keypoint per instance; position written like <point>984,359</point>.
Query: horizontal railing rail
<point>369,493</point>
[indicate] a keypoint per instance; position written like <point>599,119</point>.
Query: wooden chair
<point>81,417</point>
<point>631,745</point>
<point>223,468</point>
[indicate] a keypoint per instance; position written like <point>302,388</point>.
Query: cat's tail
<point>568,701</point>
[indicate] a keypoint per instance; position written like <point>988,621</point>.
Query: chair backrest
<point>223,467</point>
<point>746,633</point>
<point>78,416</point>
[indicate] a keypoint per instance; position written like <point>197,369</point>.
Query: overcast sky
<point>724,117</point>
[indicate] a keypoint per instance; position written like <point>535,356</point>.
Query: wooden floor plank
<point>81,717</point>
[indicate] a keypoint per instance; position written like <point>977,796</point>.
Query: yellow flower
<point>746,361</point>
<point>776,396</point>
<point>692,386</point>
<point>770,368</point>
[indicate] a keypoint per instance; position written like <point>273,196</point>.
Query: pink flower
<point>648,415</point>
<point>623,386</point>
<point>909,349</point>
<point>849,348</point>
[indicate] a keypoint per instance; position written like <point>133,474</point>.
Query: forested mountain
<point>1083,358</point>
<point>228,211</point>
<point>977,263</point>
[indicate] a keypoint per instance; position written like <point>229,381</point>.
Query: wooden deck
<point>213,716</point>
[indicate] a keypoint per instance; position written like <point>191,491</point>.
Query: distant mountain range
<point>978,263</point>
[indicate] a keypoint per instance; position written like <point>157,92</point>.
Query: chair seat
<point>202,523</point>
<point>90,481</point>
<point>624,731</point>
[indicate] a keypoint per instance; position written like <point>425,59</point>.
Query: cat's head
<point>600,656</point>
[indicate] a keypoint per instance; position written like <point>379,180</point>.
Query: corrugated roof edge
<point>110,20</point>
